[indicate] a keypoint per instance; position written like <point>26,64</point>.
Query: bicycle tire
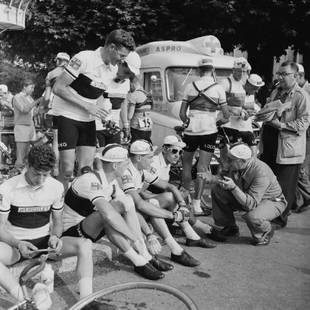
<point>188,302</point>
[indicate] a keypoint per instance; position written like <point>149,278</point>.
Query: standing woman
<point>24,130</point>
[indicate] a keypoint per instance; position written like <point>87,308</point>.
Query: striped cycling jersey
<point>91,78</point>
<point>28,208</point>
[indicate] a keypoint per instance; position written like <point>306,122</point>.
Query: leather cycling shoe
<point>185,259</point>
<point>160,265</point>
<point>202,243</point>
<point>265,240</point>
<point>149,272</point>
<point>216,235</point>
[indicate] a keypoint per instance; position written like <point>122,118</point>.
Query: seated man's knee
<point>84,246</point>
<point>154,202</point>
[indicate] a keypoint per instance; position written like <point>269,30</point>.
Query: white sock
<point>143,250</point>
<point>189,231</point>
<point>196,205</point>
<point>175,248</point>
<point>135,258</point>
<point>17,293</point>
<point>85,286</point>
<point>202,227</point>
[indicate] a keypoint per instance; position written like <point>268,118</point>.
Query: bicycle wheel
<point>98,301</point>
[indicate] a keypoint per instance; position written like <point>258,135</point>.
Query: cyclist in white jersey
<point>31,219</point>
<point>62,60</point>
<point>83,82</point>
<point>203,98</point>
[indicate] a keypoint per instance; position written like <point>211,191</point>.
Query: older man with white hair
<point>251,187</point>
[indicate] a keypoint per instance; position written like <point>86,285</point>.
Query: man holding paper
<point>283,139</point>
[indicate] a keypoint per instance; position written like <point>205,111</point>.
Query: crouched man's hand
<point>181,214</point>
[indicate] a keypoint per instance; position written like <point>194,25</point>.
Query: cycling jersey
<point>134,179</point>
<point>84,191</point>
<point>204,98</point>
<point>91,77</point>
<point>28,208</point>
<point>161,167</point>
<point>235,95</point>
<point>143,102</point>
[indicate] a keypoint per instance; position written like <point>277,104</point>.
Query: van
<point>167,67</point>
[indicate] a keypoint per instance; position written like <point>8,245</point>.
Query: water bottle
<point>47,277</point>
<point>41,296</point>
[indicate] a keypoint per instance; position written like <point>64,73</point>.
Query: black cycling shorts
<point>78,231</point>
<point>104,138</point>
<point>55,122</point>
<point>204,143</point>
<point>137,134</point>
<point>72,133</point>
<point>235,135</point>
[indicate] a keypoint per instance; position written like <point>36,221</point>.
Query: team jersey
<point>142,103</point>
<point>162,168</point>
<point>235,95</point>
<point>203,108</point>
<point>116,94</point>
<point>29,208</point>
<point>134,179</point>
<point>84,191</point>
<point>91,78</point>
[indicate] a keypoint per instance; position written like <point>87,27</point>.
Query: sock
<point>189,231</point>
<point>202,227</point>
<point>196,205</point>
<point>143,250</point>
<point>17,293</point>
<point>85,286</point>
<point>175,248</point>
<point>135,258</point>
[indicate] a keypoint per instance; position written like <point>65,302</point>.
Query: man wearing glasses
<point>171,153</point>
<point>283,139</point>
<point>78,89</point>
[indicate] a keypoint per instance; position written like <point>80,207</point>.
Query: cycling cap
<point>173,140</point>
<point>142,147</point>
<point>256,80</point>
<point>205,62</point>
<point>300,68</point>
<point>113,153</point>
<point>63,56</point>
<point>133,61</point>
<point>240,151</point>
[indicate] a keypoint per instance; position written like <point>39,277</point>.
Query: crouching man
<point>251,187</point>
<point>27,201</point>
<point>137,178</point>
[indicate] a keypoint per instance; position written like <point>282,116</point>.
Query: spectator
<point>252,187</point>
<point>283,139</point>
<point>24,130</point>
<point>303,185</point>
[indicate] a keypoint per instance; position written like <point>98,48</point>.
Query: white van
<point>167,67</point>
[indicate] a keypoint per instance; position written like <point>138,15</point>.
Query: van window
<point>177,79</point>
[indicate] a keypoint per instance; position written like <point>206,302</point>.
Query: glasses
<point>176,151</point>
<point>284,74</point>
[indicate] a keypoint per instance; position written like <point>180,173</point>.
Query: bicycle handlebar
<point>26,275</point>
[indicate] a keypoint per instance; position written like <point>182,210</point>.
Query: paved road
<point>232,276</point>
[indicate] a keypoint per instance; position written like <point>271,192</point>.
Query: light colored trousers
<point>258,220</point>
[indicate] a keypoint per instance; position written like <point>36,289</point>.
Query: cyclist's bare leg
<point>82,248</point>
<point>56,151</point>
<point>8,257</point>
<point>202,168</point>
<point>66,166</point>
<point>85,156</point>
<point>187,169</point>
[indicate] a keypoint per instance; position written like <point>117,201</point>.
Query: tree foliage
<point>264,28</point>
